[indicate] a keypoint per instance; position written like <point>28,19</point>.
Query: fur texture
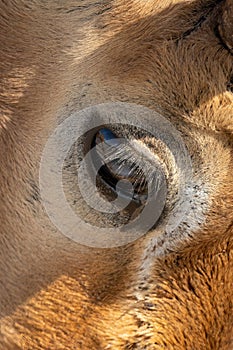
<point>174,292</point>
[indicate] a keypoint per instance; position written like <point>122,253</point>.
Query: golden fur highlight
<point>60,57</point>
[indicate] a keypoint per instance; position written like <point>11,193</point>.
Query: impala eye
<point>117,165</point>
<point>113,172</point>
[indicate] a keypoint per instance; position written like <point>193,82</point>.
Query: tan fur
<point>57,57</point>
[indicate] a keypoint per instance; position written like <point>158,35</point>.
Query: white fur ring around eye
<point>51,182</point>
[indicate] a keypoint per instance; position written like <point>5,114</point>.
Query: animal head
<point>140,257</point>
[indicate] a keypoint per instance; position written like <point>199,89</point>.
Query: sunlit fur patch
<point>169,292</point>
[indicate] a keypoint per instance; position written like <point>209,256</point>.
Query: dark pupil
<point>115,164</point>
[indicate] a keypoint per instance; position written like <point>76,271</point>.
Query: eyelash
<point>123,161</point>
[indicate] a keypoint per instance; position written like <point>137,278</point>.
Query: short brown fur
<point>59,57</point>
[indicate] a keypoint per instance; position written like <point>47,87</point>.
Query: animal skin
<point>162,291</point>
